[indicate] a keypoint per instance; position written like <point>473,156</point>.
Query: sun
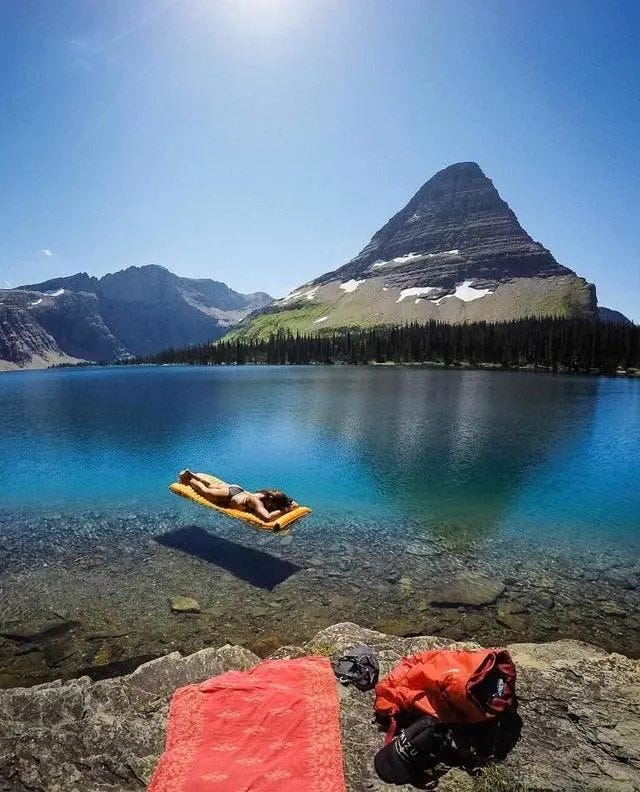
<point>263,19</point>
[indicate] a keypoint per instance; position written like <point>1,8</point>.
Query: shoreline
<point>110,734</point>
<point>99,602</point>
<point>632,373</point>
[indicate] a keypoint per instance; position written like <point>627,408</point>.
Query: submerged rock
<point>37,632</point>
<point>470,589</point>
<point>184,605</point>
<point>612,609</point>
<point>59,650</point>
<point>512,617</point>
<point>621,578</point>
<point>107,735</point>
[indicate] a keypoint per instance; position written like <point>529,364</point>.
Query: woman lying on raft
<point>268,504</point>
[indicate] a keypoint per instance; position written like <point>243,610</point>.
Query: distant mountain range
<point>455,253</point>
<point>137,311</point>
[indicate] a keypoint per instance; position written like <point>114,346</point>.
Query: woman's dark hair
<point>275,500</point>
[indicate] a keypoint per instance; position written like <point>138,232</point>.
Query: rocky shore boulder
<point>580,708</point>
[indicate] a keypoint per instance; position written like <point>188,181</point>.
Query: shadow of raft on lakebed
<point>260,569</point>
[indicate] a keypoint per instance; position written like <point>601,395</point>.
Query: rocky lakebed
<point>113,591</point>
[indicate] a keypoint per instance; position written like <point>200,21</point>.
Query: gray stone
<point>470,589</point>
<point>514,622</point>
<point>546,601</point>
<point>612,609</point>
<point>417,550</point>
<point>58,650</point>
<point>181,604</point>
<point>513,607</point>
<point>621,578</point>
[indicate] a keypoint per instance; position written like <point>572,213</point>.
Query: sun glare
<point>258,20</point>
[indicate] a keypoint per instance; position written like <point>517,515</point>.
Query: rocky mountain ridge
<point>137,311</point>
<point>80,735</point>
<point>24,342</point>
<point>455,227</point>
<point>455,253</point>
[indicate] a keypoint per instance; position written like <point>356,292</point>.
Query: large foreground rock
<point>580,709</point>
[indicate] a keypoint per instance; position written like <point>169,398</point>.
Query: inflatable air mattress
<point>275,525</point>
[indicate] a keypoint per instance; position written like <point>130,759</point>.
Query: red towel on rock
<point>274,727</point>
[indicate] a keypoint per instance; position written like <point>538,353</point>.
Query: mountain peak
<point>455,252</point>
<point>147,268</point>
<point>457,213</point>
<point>461,167</point>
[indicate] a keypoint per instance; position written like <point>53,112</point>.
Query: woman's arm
<point>211,481</point>
<point>265,515</point>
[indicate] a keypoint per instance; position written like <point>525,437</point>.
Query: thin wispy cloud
<point>46,252</point>
<point>86,48</point>
<point>142,21</point>
<point>80,44</point>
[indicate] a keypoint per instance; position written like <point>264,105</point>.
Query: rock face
<point>455,252</point>
<point>580,709</point>
<point>23,341</point>
<point>609,316</point>
<point>137,311</point>
<point>459,219</point>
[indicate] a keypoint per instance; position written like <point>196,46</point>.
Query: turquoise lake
<point>417,477</point>
<point>459,451</point>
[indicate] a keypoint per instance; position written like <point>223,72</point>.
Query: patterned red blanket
<point>274,727</point>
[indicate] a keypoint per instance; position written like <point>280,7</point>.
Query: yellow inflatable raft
<point>275,525</point>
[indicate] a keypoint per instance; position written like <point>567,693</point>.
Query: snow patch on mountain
<point>400,260</point>
<point>416,291</point>
<point>397,260</point>
<point>351,285</point>
<point>291,296</point>
<point>466,292</point>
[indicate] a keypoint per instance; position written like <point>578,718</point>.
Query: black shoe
<point>411,752</point>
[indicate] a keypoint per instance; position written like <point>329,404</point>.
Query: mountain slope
<point>456,252</point>
<point>23,341</point>
<point>137,311</point>
<point>611,316</point>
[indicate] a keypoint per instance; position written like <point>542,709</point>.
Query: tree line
<point>554,344</point>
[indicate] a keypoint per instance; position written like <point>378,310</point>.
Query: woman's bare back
<point>229,495</point>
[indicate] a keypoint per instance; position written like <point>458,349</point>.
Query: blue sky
<point>263,142</point>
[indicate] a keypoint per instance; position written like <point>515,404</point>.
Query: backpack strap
<point>391,731</point>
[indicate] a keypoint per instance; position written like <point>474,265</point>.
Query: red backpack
<point>450,685</point>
